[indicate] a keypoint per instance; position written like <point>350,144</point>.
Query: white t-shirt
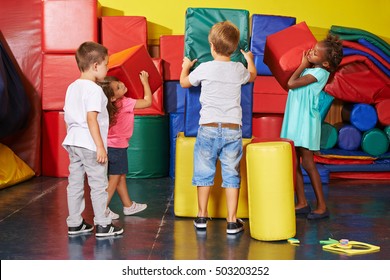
<point>220,96</point>
<point>84,96</point>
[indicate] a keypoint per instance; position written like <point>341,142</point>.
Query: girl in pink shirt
<point>121,113</point>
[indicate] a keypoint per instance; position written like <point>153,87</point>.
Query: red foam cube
<point>66,24</point>
<point>284,49</point>
<point>58,72</point>
<point>157,107</point>
<point>55,159</point>
<point>268,95</point>
<point>122,32</point>
<point>171,52</point>
<point>126,66</point>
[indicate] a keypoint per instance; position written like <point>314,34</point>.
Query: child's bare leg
<point>113,181</point>
<point>203,199</point>
<point>122,191</point>
<point>299,188</point>
<point>232,195</point>
<point>315,179</point>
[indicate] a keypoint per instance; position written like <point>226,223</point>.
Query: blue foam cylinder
<point>349,138</point>
<point>362,116</point>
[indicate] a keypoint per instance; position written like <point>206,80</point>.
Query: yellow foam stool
<point>185,194</point>
<point>270,191</point>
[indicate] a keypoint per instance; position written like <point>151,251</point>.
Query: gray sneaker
<point>112,215</point>
<point>134,208</point>
<point>109,230</point>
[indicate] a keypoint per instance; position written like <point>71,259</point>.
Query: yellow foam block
<point>270,191</point>
<point>13,170</point>
<point>185,194</point>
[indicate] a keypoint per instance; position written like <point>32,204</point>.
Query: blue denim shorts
<point>117,161</point>
<point>213,143</point>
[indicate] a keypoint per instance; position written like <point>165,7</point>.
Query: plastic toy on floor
<point>348,247</point>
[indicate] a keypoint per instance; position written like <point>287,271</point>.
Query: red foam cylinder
<point>55,159</point>
<point>284,49</point>
<point>383,111</point>
<point>267,125</point>
<point>268,95</point>
<point>122,32</point>
<point>66,24</point>
<point>58,72</point>
<point>126,66</point>
<point>171,52</point>
<point>157,107</point>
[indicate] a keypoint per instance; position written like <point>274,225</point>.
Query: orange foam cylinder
<point>270,191</point>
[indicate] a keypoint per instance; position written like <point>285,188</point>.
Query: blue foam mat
<point>174,96</point>
<point>192,110</point>
<point>262,26</point>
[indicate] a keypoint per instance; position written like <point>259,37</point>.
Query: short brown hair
<point>225,37</point>
<point>89,53</point>
<point>334,51</point>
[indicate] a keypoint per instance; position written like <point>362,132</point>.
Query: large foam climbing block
<point>13,170</point>
<point>55,159</point>
<point>268,95</point>
<point>192,109</point>
<point>185,194</point>
<point>198,22</point>
<point>176,125</point>
<point>60,17</point>
<point>266,125</point>
<point>58,72</point>
<point>157,107</point>
<point>262,26</point>
<point>270,191</point>
<point>126,66</point>
<point>174,97</point>
<point>122,32</point>
<point>171,52</point>
<point>284,49</point>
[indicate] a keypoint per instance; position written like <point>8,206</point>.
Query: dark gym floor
<point>33,214</point>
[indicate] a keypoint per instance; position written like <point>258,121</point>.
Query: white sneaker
<point>134,208</point>
<point>112,215</point>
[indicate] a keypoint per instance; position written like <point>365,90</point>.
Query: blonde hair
<point>225,37</point>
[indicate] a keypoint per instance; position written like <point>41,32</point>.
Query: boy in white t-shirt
<point>87,121</point>
<point>219,135</point>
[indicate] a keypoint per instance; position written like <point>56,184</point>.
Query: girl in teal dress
<point>302,121</point>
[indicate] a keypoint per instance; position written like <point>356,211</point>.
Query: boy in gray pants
<point>87,122</point>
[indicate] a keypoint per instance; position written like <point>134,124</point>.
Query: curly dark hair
<point>109,92</point>
<point>334,51</point>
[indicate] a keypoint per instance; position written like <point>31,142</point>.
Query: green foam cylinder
<point>328,136</point>
<point>375,142</point>
<point>148,151</point>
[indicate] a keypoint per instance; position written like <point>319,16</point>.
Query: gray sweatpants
<point>83,161</point>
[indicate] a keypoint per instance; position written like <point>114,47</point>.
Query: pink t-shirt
<point>120,133</point>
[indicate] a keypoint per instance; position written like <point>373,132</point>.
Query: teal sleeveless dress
<point>302,119</point>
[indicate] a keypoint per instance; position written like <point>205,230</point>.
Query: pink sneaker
<point>134,208</point>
